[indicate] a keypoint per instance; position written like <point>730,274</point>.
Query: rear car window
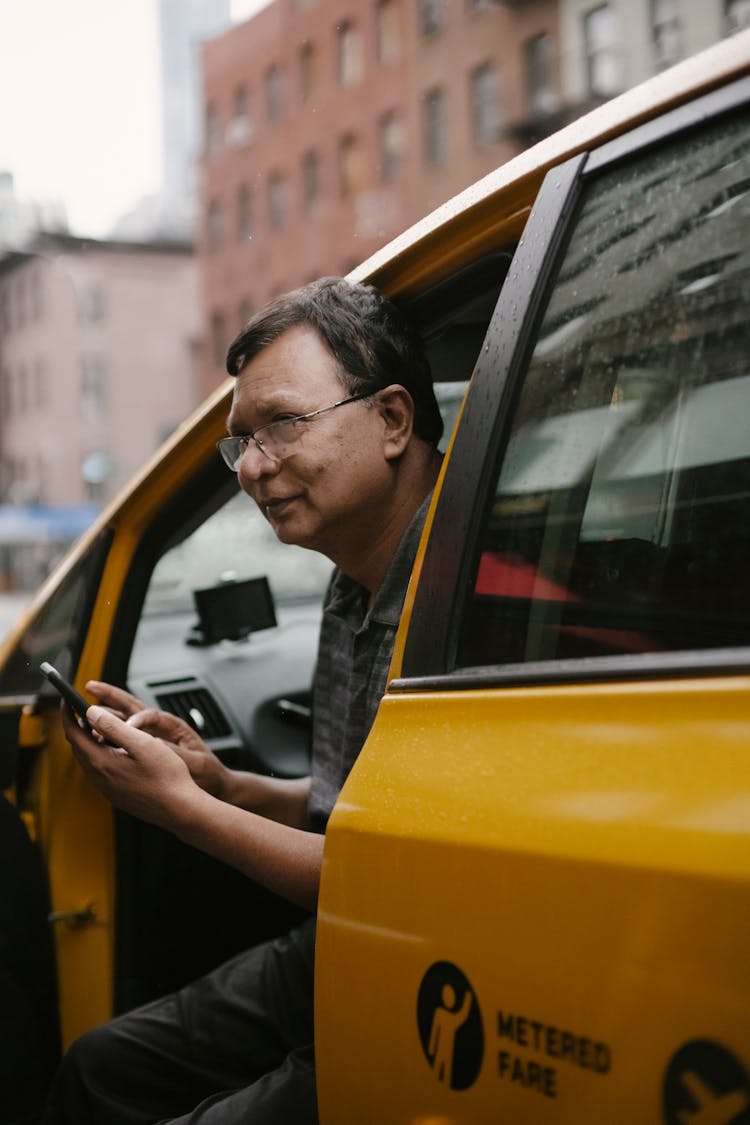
<point>620,518</point>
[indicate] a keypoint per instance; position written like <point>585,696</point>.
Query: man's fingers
<point>115,697</point>
<point>160,723</point>
<point>118,732</point>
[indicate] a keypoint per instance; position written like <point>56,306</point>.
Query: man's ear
<point>396,408</point>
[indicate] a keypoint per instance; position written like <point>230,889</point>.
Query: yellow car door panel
<point>536,893</point>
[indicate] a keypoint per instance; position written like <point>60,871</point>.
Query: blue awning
<point>40,523</point>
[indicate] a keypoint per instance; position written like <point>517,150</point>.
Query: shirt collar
<point>348,599</point>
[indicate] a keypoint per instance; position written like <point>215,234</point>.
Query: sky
<point>80,108</point>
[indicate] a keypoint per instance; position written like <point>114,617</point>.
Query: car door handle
<point>288,711</point>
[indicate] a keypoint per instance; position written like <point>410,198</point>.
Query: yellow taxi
<point>535,902</point>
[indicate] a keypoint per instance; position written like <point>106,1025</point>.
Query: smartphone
<point>78,705</point>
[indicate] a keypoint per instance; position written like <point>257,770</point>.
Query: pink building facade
<point>98,363</point>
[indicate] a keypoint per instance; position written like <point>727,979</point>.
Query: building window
<point>20,302</point>
<point>91,304</point>
<point>539,87</point>
<point>244,213</point>
<point>218,339</point>
<point>310,180</point>
<point>666,31</point>
<point>602,63</point>
<point>37,301</point>
<point>213,132</point>
<point>97,467</point>
<point>241,127</point>
<point>485,104</point>
<point>277,201</point>
<point>349,55</point>
<point>351,166</point>
<point>388,31</point>
<point>391,147</point>
<point>40,384</point>
<point>93,388</point>
<point>435,134</point>
<point>431,17</point>
<point>736,15</point>
<point>6,383</point>
<point>308,71</point>
<point>274,94</point>
<point>22,398</point>
<point>214,227</point>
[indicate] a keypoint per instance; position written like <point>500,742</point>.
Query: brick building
<point>331,125</point>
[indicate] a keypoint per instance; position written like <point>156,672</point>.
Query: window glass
<point>214,226</point>
<point>277,201</point>
<point>432,17</point>
<point>602,58</point>
<point>388,31</point>
<point>667,32</point>
<point>93,388</point>
<point>351,166</point>
<point>244,213</point>
<point>620,517</point>
<point>392,146</point>
<point>212,132</point>
<point>307,71</point>
<point>274,94</point>
<point>435,136</point>
<point>311,180</point>
<point>349,50</point>
<point>539,85</point>
<point>56,632</point>
<point>485,104</point>
<point>736,15</point>
<point>240,127</point>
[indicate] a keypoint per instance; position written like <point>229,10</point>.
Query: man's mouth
<point>275,506</point>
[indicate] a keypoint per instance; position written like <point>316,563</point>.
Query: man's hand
<point>205,768</point>
<point>150,780</point>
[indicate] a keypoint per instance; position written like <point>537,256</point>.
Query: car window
<point>55,633</point>
<point>620,516</point>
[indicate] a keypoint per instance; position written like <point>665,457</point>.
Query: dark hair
<point>368,336</point>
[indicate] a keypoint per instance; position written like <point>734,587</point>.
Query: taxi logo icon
<point>450,1026</point>
<point>706,1084</point>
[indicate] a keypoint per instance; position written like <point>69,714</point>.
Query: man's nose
<point>255,464</point>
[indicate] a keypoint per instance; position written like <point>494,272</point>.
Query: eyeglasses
<point>278,438</point>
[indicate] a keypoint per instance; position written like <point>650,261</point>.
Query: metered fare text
<point>545,1042</point>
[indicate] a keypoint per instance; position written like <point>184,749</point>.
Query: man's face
<point>335,486</point>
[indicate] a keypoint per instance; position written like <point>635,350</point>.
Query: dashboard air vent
<point>198,708</point>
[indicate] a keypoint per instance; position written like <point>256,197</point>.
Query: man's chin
<point>290,531</point>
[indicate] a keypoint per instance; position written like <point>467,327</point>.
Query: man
<point>333,432</point>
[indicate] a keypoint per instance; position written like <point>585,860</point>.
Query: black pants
<point>235,1046</point>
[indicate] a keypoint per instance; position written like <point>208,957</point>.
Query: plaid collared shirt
<point>354,655</point>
